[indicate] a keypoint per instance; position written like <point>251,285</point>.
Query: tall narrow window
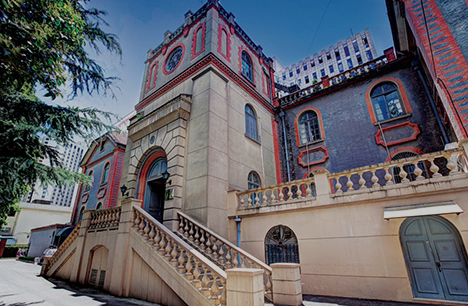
<point>346,49</point>
<point>253,180</point>
<point>350,63</point>
<point>90,175</point>
<point>247,67</point>
<point>322,72</point>
<point>250,123</point>
<point>386,102</point>
<point>369,55</point>
<point>281,245</point>
<point>337,54</point>
<point>304,66</point>
<point>224,42</point>
<point>355,46</point>
<point>198,46</point>
<point>309,128</point>
<point>105,174</point>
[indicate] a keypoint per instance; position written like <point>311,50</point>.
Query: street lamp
<point>123,190</point>
<point>165,176</point>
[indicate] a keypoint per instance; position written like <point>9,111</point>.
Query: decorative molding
<point>84,197</point>
<point>414,135</point>
<point>404,149</point>
<point>222,28</point>
<point>401,92</point>
<point>194,40</point>
<point>150,85</point>
<point>319,148</point>
<point>242,48</point>
<point>209,59</point>
<point>101,192</point>
<point>296,124</point>
<point>169,55</point>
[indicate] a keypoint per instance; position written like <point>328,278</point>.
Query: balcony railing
<point>398,173</point>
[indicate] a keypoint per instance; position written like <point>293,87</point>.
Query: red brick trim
<point>152,74</point>
<point>403,149</point>
<point>210,59</point>
<point>276,148</point>
<point>194,40</point>
<point>144,173</point>
<point>414,126</point>
<point>306,175</point>
<point>401,90</point>
<point>101,192</point>
<point>244,49</point>
<point>296,124</point>
<point>221,28</point>
<point>169,55</point>
<point>319,148</point>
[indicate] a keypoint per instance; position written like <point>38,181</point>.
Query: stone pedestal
<point>244,287</point>
<point>287,288</point>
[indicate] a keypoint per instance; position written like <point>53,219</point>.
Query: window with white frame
<point>250,123</point>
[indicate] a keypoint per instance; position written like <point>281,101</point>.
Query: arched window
<point>198,47</point>
<point>224,42</point>
<point>250,123</point>
<point>80,216</point>
<point>253,180</point>
<point>90,174</point>
<point>386,101</point>
<point>313,189</point>
<point>105,173</point>
<point>409,168</point>
<point>99,206</point>
<point>281,245</point>
<point>155,189</point>
<point>309,128</point>
<point>247,68</point>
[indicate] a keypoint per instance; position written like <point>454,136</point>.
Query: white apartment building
<point>52,194</point>
<point>345,55</point>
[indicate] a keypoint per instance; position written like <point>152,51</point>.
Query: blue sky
<point>289,30</point>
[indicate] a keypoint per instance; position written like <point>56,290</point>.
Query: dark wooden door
<point>436,258</point>
<point>154,199</point>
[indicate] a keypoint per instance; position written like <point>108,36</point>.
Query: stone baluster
<point>349,183</point>
<point>151,235</point>
<point>362,181</point>
<point>191,225</point>
<point>208,244</point>
<point>188,268</point>
<point>264,198</point>
<point>374,179</point>
<point>181,261</point>
<point>242,201</point>
<point>257,199</point>
<point>268,283</point>
<point>168,248</point>
<point>403,174</point>
<point>280,195</point>
<point>273,197</point>
<point>205,282</point>
<point>222,298</point>
<point>221,253</point>
<point>242,257</point>
<point>388,176</point>
<point>451,165</point>
<point>338,186</point>
<point>235,261</point>
<point>146,230</point>
<point>202,240</point>
<point>137,221</point>
<point>249,200</point>
<point>162,244</point>
<point>142,226</point>
<point>434,169</point>
<point>181,225</point>
<point>299,191</point>
<point>418,171</point>
<point>174,253</point>
<point>157,239</point>
<point>214,291</point>
<point>186,229</point>
<point>197,236</point>
<point>196,275</point>
<point>290,193</point>
<point>228,257</point>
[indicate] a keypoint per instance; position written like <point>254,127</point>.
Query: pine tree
<point>43,45</point>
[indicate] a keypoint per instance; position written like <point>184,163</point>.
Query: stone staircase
<point>136,256</point>
<point>220,251</point>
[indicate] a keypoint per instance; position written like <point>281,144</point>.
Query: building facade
<point>103,162</point>
<point>343,56</point>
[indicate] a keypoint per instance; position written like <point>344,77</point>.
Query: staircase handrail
<point>181,256</point>
<point>63,247</point>
<point>227,242</point>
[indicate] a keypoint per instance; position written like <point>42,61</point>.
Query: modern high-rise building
<point>352,52</point>
<point>52,194</point>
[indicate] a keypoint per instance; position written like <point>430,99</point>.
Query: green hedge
<point>11,250</point>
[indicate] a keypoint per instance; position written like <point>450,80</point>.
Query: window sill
<point>249,80</point>
<point>254,140</point>
<point>393,119</point>
<point>311,143</point>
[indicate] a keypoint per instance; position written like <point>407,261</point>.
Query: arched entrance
<point>281,245</point>
<point>155,189</point>
<point>435,257</point>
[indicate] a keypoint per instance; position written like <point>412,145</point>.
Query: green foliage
<point>43,44</point>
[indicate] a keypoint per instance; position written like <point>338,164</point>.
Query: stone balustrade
<point>300,189</point>
<point>221,251</point>
<point>375,177</point>
<point>202,274</point>
<point>400,171</point>
<point>64,246</point>
<point>105,219</point>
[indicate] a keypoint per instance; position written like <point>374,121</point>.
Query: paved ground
<point>21,285</point>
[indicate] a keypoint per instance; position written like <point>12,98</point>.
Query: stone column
<point>244,287</point>
<point>322,185</point>
<point>287,287</point>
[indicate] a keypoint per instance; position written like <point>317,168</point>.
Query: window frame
<point>253,116</point>
<point>320,125</point>
<point>402,94</point>
<point>251,182</point>
<point>106,178</point>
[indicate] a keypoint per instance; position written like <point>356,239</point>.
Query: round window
<point>174,59</point>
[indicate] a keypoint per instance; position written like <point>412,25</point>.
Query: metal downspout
<point>282,114</point>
